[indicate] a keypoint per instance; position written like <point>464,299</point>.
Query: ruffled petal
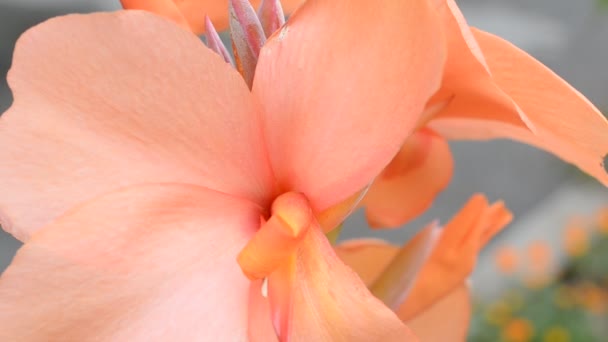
<point>409,184</point>
<point>566,123</point>
<point>318,298</point>
<point>446,320</point>
<point>559,118</point>
<point>455,254</point>
<point>107,100</point>
<point>147,263</point>
<point>339,101</point>
<point>467,89</point>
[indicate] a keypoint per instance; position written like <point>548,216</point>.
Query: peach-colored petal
<point>410,183</point>
<point>110,99</point>
<point>339,101</point>
<point>370,257</point>
<point>165,8</point>
<point>456,252</point>
<point>217,10</point>
<point>466,77</point>
<point>260,324</point>
<point>321,299</point>
<point>446,320</point>
<point>333,216</point>
<point>389,272</point>
<point>393,285</point>
<point>147,263</point>
<point>565,122</point>
<point>367,257</point>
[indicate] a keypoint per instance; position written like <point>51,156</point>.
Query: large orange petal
<point>107,100</point>
<point>410,183</point>
<point>323,300</point>
<point>339,101</point>
<point>567,124</point>
<point>217,10</point>
<point>446,320</point>
<point>165,8</point>
<point>147,263</point>
<point>456,252</point>
<point>563,121</point>
<point>466,77</point>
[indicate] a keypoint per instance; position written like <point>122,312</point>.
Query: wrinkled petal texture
<point>147,263</point>
<point>409,184</point>
<point>337,110</point>
<point>370,257</point>
<point>456,252</point>
<point>108,100</point>
<point>467,89</point>
<point>329,302</point>
<point>193,11</point>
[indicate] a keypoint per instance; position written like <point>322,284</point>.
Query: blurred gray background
<point>571,37</point>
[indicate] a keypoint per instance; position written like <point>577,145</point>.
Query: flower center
<point>278,237</point>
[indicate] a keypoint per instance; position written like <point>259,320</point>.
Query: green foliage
<point>571,307</point>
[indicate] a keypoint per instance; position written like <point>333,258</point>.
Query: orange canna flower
<point>137,167</point>
<point>440,292</point>
<point>518,330</point>
<point>190,14</point>
<point>490,89</point>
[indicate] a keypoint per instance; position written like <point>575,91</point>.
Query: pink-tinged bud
<point>247,38</point>
<point>214,42</point>
<point>271,16</point>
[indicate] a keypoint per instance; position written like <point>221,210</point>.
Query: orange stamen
<point>278,238</point>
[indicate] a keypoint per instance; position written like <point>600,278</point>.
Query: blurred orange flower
<point>576,239</point>
<point>507,259</point>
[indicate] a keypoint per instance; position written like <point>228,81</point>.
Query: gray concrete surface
<point>569,36</point>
